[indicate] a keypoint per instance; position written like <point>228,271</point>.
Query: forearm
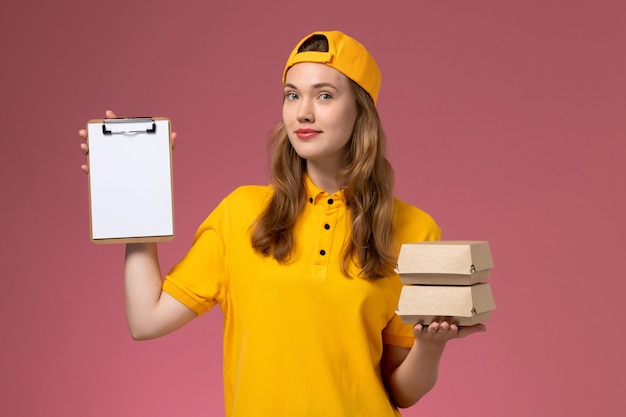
<point>150,311</point>
<point>416,375</point>
<point>142,287</point>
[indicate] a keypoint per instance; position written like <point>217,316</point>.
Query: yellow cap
<point>346,55</point>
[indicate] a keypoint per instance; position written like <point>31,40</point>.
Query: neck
<point>324,178</point>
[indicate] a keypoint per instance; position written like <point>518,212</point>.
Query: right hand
<point>84,146</point>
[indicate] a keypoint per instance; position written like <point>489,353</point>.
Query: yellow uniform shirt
<point>300,339</point>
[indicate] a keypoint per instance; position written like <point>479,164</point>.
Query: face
<point>319,112</point>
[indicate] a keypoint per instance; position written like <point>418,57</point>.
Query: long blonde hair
<point>367,183</point>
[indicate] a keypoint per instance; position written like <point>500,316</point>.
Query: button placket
<point>328,221</point>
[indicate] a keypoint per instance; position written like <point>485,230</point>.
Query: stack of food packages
<point>445,280</point>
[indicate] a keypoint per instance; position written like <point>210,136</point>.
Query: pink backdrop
<point>506,122</point>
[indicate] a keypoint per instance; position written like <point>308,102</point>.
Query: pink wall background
<point>506,122</point>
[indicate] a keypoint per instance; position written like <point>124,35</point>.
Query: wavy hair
<point>367,183</point>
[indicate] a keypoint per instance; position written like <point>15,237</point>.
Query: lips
<point>307,133</point>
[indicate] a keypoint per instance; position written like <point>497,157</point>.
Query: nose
<point>305,112</point>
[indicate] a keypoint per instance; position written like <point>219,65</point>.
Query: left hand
<point>441,332</point>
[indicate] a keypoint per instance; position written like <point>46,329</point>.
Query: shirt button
<point>327,226</point>
<point>322,252</point>
<point>330,201</point>
<point>311,200</point>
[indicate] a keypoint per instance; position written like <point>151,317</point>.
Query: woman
<point>303,269</point>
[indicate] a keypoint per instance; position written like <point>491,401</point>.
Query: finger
<point>453,331</point>
<point>84,148</point>
<point>173,139</point>
<point>433,328</point>
<point>443,330</point>
<point>85,169</point>
<point>83,133</point>
<point>110,115</point>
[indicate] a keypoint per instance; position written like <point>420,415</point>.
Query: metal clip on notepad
<point>128,126</point>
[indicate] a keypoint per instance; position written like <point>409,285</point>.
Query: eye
<point>291,96</point>
<point>325,96</point>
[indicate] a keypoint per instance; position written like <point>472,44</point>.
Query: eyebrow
<point>315,86</point>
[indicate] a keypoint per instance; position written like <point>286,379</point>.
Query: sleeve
<point>398,333</point>
<point>199,279</point>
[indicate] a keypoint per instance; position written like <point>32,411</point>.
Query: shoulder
<point>246,201</point>
<point>250,194</point>
<point>238,209</point>
<point>413,224</point>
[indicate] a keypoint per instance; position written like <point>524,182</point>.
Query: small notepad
<point>130,180</point>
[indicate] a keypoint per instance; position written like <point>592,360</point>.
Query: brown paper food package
<point>445,262</point>
<point>464,305</point>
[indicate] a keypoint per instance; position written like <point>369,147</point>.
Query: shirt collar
<point>315,194</point>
